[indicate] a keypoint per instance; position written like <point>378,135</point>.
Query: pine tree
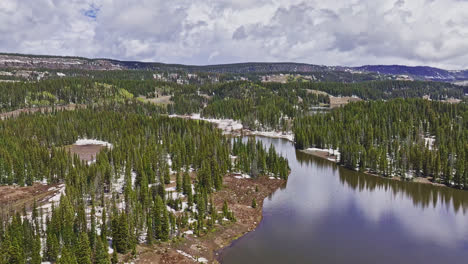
<point>83,250</point>
<point>102,255</point>
<point>165,225</point>
<point>254,203</point>
<point>36,251</point>
<point>186,183</point>
<point>52,246</point>
<point>115,258</point>
<point>120,233</point>
<point>92,231</point>
<point>67,256</point>
<point>167,176</point>
<point>157,208</point>
<point>178,182</point>
<point>225,209</point>
<point>104,225</point>
<point>187,186</point>
<point>68,215</point>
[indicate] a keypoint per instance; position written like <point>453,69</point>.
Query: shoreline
<point>325,155</point>
<point>238,192</point>
<point>234,128</point>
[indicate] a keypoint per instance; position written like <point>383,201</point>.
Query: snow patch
<point>242,176</point>
<point>227,125</point>
<point>170,189</point>
<point>133,174</point>
<point>330,151</point>
<point>274,134</point>
<point>84,141</point>
<point>118,184</point>
<point>200,260</point>
<point>188,232</point>
<point>429,142</point>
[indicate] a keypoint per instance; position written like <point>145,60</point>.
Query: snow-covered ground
<point>85,141</point>
<point>230,125</point>
<point>200,260</point>
<point>242,176</point>
<point>188,232</point>
<point>46,208</point>
<point>273,134</point>
<point>429,141</point>
<point>47,203</point>
<point>330,151</point>
<point>227,125</point>
<point>118,184</point>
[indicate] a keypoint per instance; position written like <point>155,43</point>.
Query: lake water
<point>328,214</point>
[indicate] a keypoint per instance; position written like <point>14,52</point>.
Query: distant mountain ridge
<point>423,72</point>
<point>24,61</point>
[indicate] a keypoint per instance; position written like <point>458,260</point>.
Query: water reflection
<point>422,195</point>
<point>328,214</point>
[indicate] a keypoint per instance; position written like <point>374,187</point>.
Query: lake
<point>328,214</point>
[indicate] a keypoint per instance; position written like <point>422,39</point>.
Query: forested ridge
<point>402,137</point>
<point>374,90</point>
<point>121,197</point>
<point>262,106</point>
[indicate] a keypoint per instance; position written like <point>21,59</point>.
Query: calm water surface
<point>327,214</point>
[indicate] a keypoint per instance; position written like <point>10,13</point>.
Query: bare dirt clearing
<point>342,101</point>
<point>85,152</point>
<point>15,198</point>
<point>87,149</point>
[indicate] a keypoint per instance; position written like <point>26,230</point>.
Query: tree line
<point>403,137</point>
<point>259,106</point>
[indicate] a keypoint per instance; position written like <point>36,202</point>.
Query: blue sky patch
<point>92,12</point>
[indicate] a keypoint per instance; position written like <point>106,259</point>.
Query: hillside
<point>417,72</point>
<point>320,72</point>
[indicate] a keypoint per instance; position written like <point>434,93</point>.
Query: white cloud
<point>200,32</point>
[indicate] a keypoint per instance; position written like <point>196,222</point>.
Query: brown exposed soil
<point>85,152</point>
<point>14,198</point>
<point>239,194</point>
<point>342,101</point>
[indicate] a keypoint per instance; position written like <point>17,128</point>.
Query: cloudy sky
<point>340,32</point>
